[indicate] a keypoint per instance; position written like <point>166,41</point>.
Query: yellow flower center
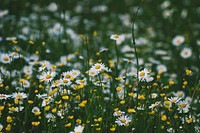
<point>142,74</point>
<point>65,81</point>
<point>19,96</point>
<point>185,53</point>
<point>183,105</point>
<point>123,120</point>
<point>97,67</point>
<point>174,100</point>
<point>180,95</point>
<point>116,36</point>
<point>48,76</point>
<point>67,76</point>
<point>5,58</point>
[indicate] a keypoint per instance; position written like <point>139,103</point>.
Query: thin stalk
<point>133,37</point>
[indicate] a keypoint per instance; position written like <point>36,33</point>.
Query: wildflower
<point>65,82</point>
<point>186,52</point>
<point>168,104</point>
<point>9,119</point>
<point>5,58</point>
<point>161,68</point>
<point>131,110</point>
<point>123,120</point>
<point>152,106</point>
<point>28,70</point>
<point>78,129</point>
<point>178,40</point>
<point>143,75</point>
<point>179,94</point>
<point>188,72</point>
<point>114,37</point>
<point>47,76</point>
<point>35,123</point>
<point>183,106</point>
<point>4,96</point>
<point>36,110</point>
<point>174,99</point>
<point>164,118</point>
<point>19,95</point>
<point>118,113</point>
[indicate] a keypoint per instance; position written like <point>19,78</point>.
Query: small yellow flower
<point>99,119</point>
<point>122,102</point>
<point>31,42</point>
<point>171,82</point>
<point>35,123</point>
<point>188,72</point>
<point>54,110</point>
<point>47,108</point>
<point>98,129</point>
<point>8,127</point>
<point>164,118</point>
<point>112,129</point>
<point>131,110</point>
<point>78,121</point>
<point>1,108</point>
<point>68,125</point>
<point>9,119</point>
<point>65,97</point>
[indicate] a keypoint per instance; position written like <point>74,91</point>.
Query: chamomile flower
<point>179,94</point>
<point>47,76</point>
<point>123,120</point>
<point>28,70</point>
<point>174,99</point>
<point>75,73</point>
<point>19,95</point>
<point>98,67</point>
<point>144,76</point>
<point>5,58</point>
<point>65,82</point>
<point>35,110</point>
<point>186,53</point>
<point>183,106</point>
<point>161,68</point>
<point>78,129</point>
<point>4,96</point>
<point>154,105</point>
<point>118,113</point>
<point>25,83</point>
<point>178,40</point>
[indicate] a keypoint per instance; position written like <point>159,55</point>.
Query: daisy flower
<point>179,94</point>
<point>178,40</point>
<point>35,110</point>
<point>118,113</point>
<point>28,70</point>
<point>4,96</point>
<point>65,82</point>
<point>161,68</point>
<point>152,106</point>
<point>5,58</point>
<point>78,129</point>
<point>186,52</point>
<point>67,75</point>
<point>123,120</point>
<point>19,95</point>
<point>47,76</point>
<point>183,106</point>
<point>174,99</point>
<point>75,73</point>
<point>144,76</point>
